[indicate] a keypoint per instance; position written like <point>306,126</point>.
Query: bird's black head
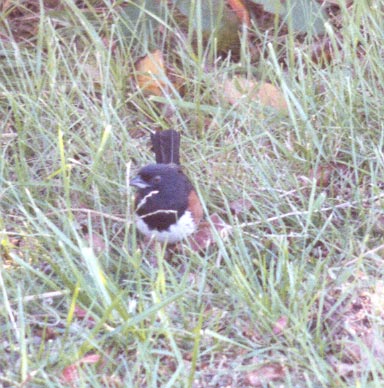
<point>161,187</point>
<point>158,177</point>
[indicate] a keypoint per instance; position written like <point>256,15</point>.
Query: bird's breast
<point>181,228</point>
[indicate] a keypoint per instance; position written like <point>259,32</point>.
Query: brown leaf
<point>240,206</point>
<point>237,89</point>
<point>265,375</point>
<point>220,226</point>
<point>322,51</point>
<point>46,334</point>
<point>93,73</point>
<point>322,174</point>
<point>270,95</point>
<point>280,325</point>
<point>92,358</point>
<point>326,174</point>
<point>150,73</point>
<point>83,314</point>
<point>203,238</point>
<point>80,313</point>
<point>239,8</point>
<point>95,242</point>
<point>70,374</point>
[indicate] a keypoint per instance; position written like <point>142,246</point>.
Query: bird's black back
<point>164,208</point>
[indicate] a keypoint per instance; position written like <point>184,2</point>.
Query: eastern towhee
<point>167,206</point>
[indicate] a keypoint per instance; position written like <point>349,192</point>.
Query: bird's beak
<point>138,182</point>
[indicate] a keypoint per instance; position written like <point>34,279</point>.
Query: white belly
<point>183,228</point>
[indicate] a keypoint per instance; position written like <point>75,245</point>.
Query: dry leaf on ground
<point>151,73</point>
<point>337,179</point>
<point>322,51</point>
<point>237,89</point>
<point>326,174</point>
<point>203,238</point>
<point>93,73</point>
<point>280,325</point>
<point>240,206</point>
<point>95,242</point>
<point>46,333</point>
<point>265,375</point>
<point>70,374</point>
<point>239,8</point>
<point>79,313</point>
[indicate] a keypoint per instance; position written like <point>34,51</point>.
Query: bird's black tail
<point>166,146</point>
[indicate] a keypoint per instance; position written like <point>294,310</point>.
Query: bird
<point>167,206</point>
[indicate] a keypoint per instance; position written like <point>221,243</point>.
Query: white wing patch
<point>176,232</point>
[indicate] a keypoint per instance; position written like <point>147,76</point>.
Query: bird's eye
<point>157,179</point>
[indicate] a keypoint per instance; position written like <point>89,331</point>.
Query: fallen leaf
<point>337,178</point>
<point>95,242</point>
<point>203,238</point>
<point>270,95</point>
<point>240,206</point>
<point>79,313</point>
<point>93,73</point>
<point>150,73</point>
<point>237,89</point>
<point>92,358</point>
<point>223,229</point>
<point>280,325</point>
<point>322,51</point>
<point>46,334</point>
<point>265,375</point>
<point>322,174</point>
<point>326,173</point>
<point>239,8</point>
<point>70,374</point>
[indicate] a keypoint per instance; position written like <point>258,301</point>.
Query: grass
<point>297,286</point>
